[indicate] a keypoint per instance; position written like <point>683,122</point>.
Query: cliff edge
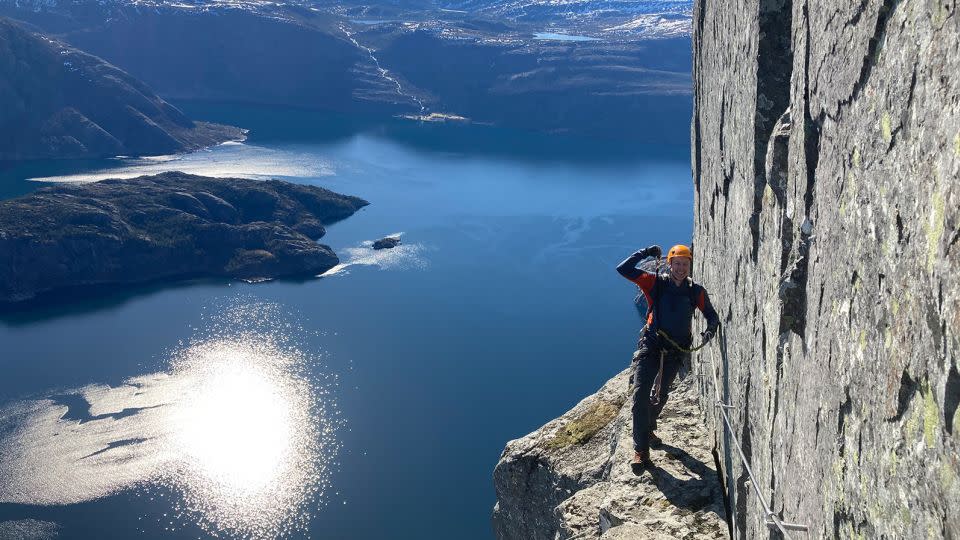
<point>826,154</point>
<point>571,478</point>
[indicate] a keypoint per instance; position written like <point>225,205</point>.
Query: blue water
<point>501,311</point>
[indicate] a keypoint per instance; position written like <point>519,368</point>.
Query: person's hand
<point>708,334</point>
<point>652,251</point>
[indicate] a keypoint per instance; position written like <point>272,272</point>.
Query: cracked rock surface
<point>826,161</point>
<point>572,479</point>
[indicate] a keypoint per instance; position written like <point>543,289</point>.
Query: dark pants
<point>645,413</point>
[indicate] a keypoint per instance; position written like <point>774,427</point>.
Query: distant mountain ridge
<point>505,10</point>
<point>599,67</point>
<point>569,10</point>
<point>59,102</point>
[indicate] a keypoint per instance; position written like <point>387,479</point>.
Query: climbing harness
<point>667,337</point>
<point>656,391</point>
<point>657,381</point>
<point>770,519</point>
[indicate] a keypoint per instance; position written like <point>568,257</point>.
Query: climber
<point>665,340</point>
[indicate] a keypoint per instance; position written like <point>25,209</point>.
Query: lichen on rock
<point>582,428</point>
<point>846,419</point>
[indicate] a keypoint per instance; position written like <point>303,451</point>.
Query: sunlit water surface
<point>241,425</point>
<point>371,403</point>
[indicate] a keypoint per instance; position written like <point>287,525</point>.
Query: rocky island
<point>164,227</point>
<point>387,242</point>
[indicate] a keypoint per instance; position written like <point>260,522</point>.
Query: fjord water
<point>371,403</point>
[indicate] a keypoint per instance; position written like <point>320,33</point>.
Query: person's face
<point>680,267</point>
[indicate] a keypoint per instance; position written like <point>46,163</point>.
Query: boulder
<point>387,242</point>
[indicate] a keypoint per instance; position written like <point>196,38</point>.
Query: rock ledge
<point>571,478</point>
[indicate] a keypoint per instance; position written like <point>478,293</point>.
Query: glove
<point>652,251</point>
<point>708,334</point>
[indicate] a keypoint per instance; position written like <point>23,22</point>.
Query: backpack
<point>692,290</point>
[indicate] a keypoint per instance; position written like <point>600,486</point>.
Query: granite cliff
<point>826,154</point>
<point>164,227</point>
<point>59,102</point>
<point>826,167</point>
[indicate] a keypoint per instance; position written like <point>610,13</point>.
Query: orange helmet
<point>679,250</point>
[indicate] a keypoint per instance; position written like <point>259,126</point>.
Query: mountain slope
<point>59,102</point>
<point>626,68</point>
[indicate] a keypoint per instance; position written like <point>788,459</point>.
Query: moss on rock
<point>582,428</point>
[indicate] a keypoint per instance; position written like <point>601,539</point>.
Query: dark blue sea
<point>369,403</point>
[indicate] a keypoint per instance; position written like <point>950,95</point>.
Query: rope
<point>667,337</point>
<point>771,518</point>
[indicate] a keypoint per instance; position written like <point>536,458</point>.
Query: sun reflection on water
<point>245,435</point>
<point>216,435</point>
<point>240,426</point>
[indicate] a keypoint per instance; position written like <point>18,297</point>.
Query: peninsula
<point>164,227</point>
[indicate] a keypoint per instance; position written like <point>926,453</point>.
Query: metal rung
<point>724,405</point>
<point>789,526</point>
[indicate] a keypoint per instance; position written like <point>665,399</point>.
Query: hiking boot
<point>655,442</point>
<point>641,461</point>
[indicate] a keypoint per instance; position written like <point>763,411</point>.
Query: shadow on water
<point>14,174</point>
<point>91,299</point>
<point>78,409</point>
<point>130,513</point>
<point>65,303</point>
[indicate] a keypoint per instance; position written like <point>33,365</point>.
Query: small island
<point>387,242</point>
<point>165,227</point>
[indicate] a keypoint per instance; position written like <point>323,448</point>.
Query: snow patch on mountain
<point>659,25</point>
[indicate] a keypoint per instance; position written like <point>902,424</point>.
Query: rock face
<point>59,102</point>
<point>163,227</point>
<point>571,478</point>
<point>826,154</point>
